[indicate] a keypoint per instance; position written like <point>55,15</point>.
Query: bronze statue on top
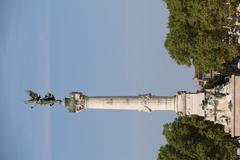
<point>36,99</point>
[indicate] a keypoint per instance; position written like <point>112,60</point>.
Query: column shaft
<point>141,103</point>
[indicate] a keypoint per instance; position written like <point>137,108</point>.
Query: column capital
<point>75,102</point>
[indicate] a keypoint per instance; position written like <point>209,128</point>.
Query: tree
<point>193,138</point>
<point>197,29</point>
<point>217,80</point>
<point>229,68</point>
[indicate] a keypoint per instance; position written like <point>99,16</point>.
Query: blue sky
<point>97,47</point>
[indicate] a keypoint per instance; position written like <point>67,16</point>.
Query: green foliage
<point>216,81</point>
<point>193,138</point>
<point>197,30</point>
<point>229,68</point>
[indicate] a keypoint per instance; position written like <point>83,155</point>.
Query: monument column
<point>145,103</point>
<point>76,101</point>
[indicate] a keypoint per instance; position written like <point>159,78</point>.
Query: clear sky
<point>98,47</point>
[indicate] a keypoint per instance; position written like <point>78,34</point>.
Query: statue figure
<point>49,97</point>
<point>36,99</point>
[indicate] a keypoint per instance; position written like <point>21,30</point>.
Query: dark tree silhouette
<point>193,138</point>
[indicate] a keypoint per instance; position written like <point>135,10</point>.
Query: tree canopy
<point>196,32</point>
<point>193,138</point>
<point>226,72</point>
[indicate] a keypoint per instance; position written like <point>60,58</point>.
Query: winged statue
<point>36,99</point>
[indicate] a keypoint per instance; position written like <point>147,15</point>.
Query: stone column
<point>145,103</point>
